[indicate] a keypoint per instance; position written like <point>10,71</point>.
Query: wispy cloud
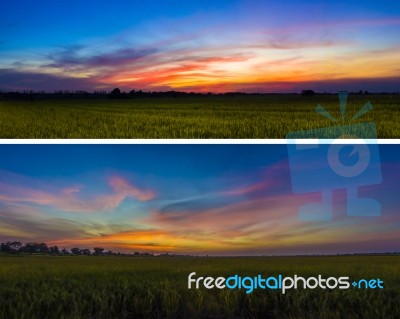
<point>26,223</point>
<point>68,199</point>
<point>70,58</point>
<point>14,79</point>
<point>233,47</point>
<point>264,60</point>
<point>253,212</point>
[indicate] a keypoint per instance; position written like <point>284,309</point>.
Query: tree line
<point>117,93</point>
<point>16,247</point>
<point>29,95</point>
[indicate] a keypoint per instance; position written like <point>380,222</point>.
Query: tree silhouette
<point>86,252</point>
<point>43,248</point>
<point>98,251</point>
<point>31,248</point>
<point>54,250</point>
<point>16,247</point>
<point>307,93</point>
<point>76,251</point>
<point>5,247</point>
<point>115,92</point>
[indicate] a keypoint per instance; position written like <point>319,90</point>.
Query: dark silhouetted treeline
<point>114,94</point>
<point>16,247</point>
<point>133,94</point>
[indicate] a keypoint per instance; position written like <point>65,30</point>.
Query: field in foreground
<point>156,287</point>
<point>270,116</point>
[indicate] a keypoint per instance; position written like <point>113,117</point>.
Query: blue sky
<point>264,46</point>
<point>196,199</point>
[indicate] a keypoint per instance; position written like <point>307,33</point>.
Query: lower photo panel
<point>200,231</point>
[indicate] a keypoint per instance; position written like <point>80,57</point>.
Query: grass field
<point>156,287</point>
<point>192,117</point>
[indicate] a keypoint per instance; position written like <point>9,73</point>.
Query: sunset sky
<point>191,199</point>
<point>253,46</point>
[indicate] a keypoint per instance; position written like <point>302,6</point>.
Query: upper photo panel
<point>199,69</point>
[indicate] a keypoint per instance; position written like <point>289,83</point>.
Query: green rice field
<point>220,117</point>
<point>45,286</point>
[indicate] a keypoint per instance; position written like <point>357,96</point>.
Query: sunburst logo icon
<point>343,108</point>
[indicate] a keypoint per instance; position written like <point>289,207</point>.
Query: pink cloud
<point>162,70</point>
<point>123,187</point>
<point>271,225</point>
<point>235,216</point>
<point>269,222</point>
<point>67,199</point>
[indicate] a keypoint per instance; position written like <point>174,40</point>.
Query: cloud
<point>27,224</point>
<point>243,186</point>
<point>172,68</point>
<point>260,186</point>
<point>270,225</point>
<point>266,220</point>
<point>202,52</point>
<point>68,199</point>
<point>149,240</point>
<point>70,57</point>
<point>377,85</point>
<point>232,216</point>
<point>11,79</point>
<point>260,217</point>
<point>124,188</point>
<point>270,60</point>
<point>196,205</point>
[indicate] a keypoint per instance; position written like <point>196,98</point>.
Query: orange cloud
<point>265,223</point>
<point>158,72</point>
<point>150,240</point>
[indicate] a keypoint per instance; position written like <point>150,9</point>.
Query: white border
<point>192,141</point>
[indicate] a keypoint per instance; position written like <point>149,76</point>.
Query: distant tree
<point>5,247</point>
<point>43,249</point>
<point>31,248</point>
<point>34,248</point>
<point>54,250</point>
<point>86,252</point>
<point>115,92</point>
<point>75,251</point>
<point>307,93</point>
<point>98,251</point>
<point>15,245</point>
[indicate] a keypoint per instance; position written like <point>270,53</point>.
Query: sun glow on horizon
<point>188,203</point>
<point>231,47</point>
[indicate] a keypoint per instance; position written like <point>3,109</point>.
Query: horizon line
<point>133,91</point>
